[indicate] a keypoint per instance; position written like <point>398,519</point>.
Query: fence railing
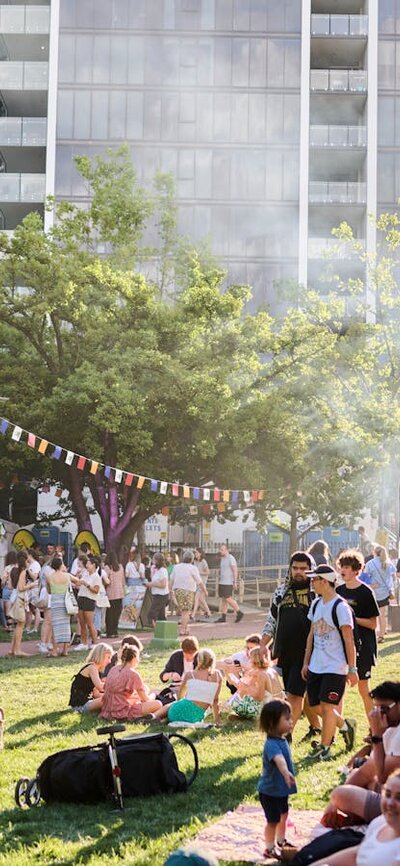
<point>341,192</point>
<point>339,25</point>
<point>331,135</point>
<point>339,80</point>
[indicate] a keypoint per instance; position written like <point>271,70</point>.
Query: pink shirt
<point>116,589</point>
<point>120,699</point>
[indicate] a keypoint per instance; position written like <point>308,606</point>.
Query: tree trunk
<point>293,533</point>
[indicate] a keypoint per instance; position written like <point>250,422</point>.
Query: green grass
<point>34,694</point>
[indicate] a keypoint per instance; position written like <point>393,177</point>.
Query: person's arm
<point>234,569</point>
<point>182,690</point>
<point>170,672</point>
<point>308,652</point>
<point>365,622</point>
<point>95,677</point>
<point>347,632</point>
<point>283,768</point>
<point>378,725</point>
<point>255,687</point>
<point>93,587</point>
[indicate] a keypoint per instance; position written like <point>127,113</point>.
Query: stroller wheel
<point>21,790</point>
<point>32,796</point>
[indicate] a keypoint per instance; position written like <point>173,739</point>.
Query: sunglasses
<point>385,709</point>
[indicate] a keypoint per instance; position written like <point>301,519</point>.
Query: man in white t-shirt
<point>330,655</point>
<point>228,581</point>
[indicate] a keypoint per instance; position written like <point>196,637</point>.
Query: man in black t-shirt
<point>362,601</point>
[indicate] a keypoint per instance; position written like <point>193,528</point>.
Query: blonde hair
<point>98,653</point>
<point>206,660</point>
<point>383,555</point>
<point>257,658</point>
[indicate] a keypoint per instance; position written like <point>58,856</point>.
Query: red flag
<point>81,463</point>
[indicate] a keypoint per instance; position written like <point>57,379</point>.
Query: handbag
<point>102,599</point>
<point>17,610</point>
<point>43,600</point>
<point>71,603</point>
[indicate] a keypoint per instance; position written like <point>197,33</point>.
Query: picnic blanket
<point>239,835</point>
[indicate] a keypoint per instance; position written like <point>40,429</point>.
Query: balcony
<point>22,187</point>
<point>336,136</point>
<point>23,131</point>
<point>338,80</point>
<point>339,25</point>
<point>319,248</point>
<point>24,19</point>
<point>23,75</point>
<point>337,192</point>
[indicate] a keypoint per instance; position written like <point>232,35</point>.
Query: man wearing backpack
<point>362,601</point>
<point>330,655</point>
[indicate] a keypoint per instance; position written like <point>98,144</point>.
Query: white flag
<point>118,475</point>
<point>16,434</point>
<point>206,493</point>
<point>69,458</point>
<point>246,495</point>
<point>163,486</point>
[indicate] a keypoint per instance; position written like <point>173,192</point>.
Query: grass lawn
<point>34,693</point>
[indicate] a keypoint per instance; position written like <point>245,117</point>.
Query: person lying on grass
<point>87,687</point>
<point>125,694</point>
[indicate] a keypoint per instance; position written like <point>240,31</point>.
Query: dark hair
<point>301,556</point>
<point>11,557</point>
<point>95,560</point>
<point>159,560</point>
<point>190,644</point>
<point>33,552</point>
<point>56,563</point>
<point>83,558</point>
<point>387,691</point>
<point>271,714</point>
<point>20,566</point>
<point>253,638</point>
<point>85,547</point>
<point>129,653</point>
<point>112,560</point>
<point>200,551</point>
<point>131,640</point>
<point>317,547</point>
<point>353,558</point>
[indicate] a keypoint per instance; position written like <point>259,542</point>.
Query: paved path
<point>252,621</point>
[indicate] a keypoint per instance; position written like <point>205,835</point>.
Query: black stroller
<point>135,766</point>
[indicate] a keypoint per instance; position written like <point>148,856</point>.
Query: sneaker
<point>81,647</point>
<point>349,735</point>
<point>239,616</point>
<point>312,732</point>
<point>221,619</point>
<point>43,648</point>
<point>323,754</point>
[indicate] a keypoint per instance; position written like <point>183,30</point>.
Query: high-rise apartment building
<point>277,119</point>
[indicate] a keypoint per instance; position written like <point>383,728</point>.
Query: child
<point>277,780</point>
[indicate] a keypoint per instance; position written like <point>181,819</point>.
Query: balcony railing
<point>339,80</point>
<point>23,75</point>
<point>24,19</point>
<point>339,25</point>
<point>22,187</point>
<point>26,131</point>
<point>338,136</point>
<point>337,192</point>
<point>320,247</point>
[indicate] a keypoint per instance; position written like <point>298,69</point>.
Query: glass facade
<point>206,89</point>
<point>388,105</point>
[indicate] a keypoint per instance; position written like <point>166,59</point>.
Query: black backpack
<point>356,634</point>
<point>327,844</point>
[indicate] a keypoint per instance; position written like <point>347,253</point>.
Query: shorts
<point>274,807</point>
<point>184,599</point>
<point>293,682</point>
<point>328,688</point>
<point>365,661</point>
<point>185,711</point>
<point>6,594</point>
<point>85,603</point>
<point>372,806</point>
<point>225,590</point>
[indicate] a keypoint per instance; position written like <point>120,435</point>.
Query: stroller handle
<point>110,729</point>
<point>190,779</point>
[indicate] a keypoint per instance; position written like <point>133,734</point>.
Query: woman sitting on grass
<point>125,694</point>
<point>259,684</point>
<point>87,688</point>
<point>199,691</point>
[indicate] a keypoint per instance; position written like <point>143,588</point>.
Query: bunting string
<point>212,495</point>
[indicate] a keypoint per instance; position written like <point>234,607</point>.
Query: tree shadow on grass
<point>144,820</point>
